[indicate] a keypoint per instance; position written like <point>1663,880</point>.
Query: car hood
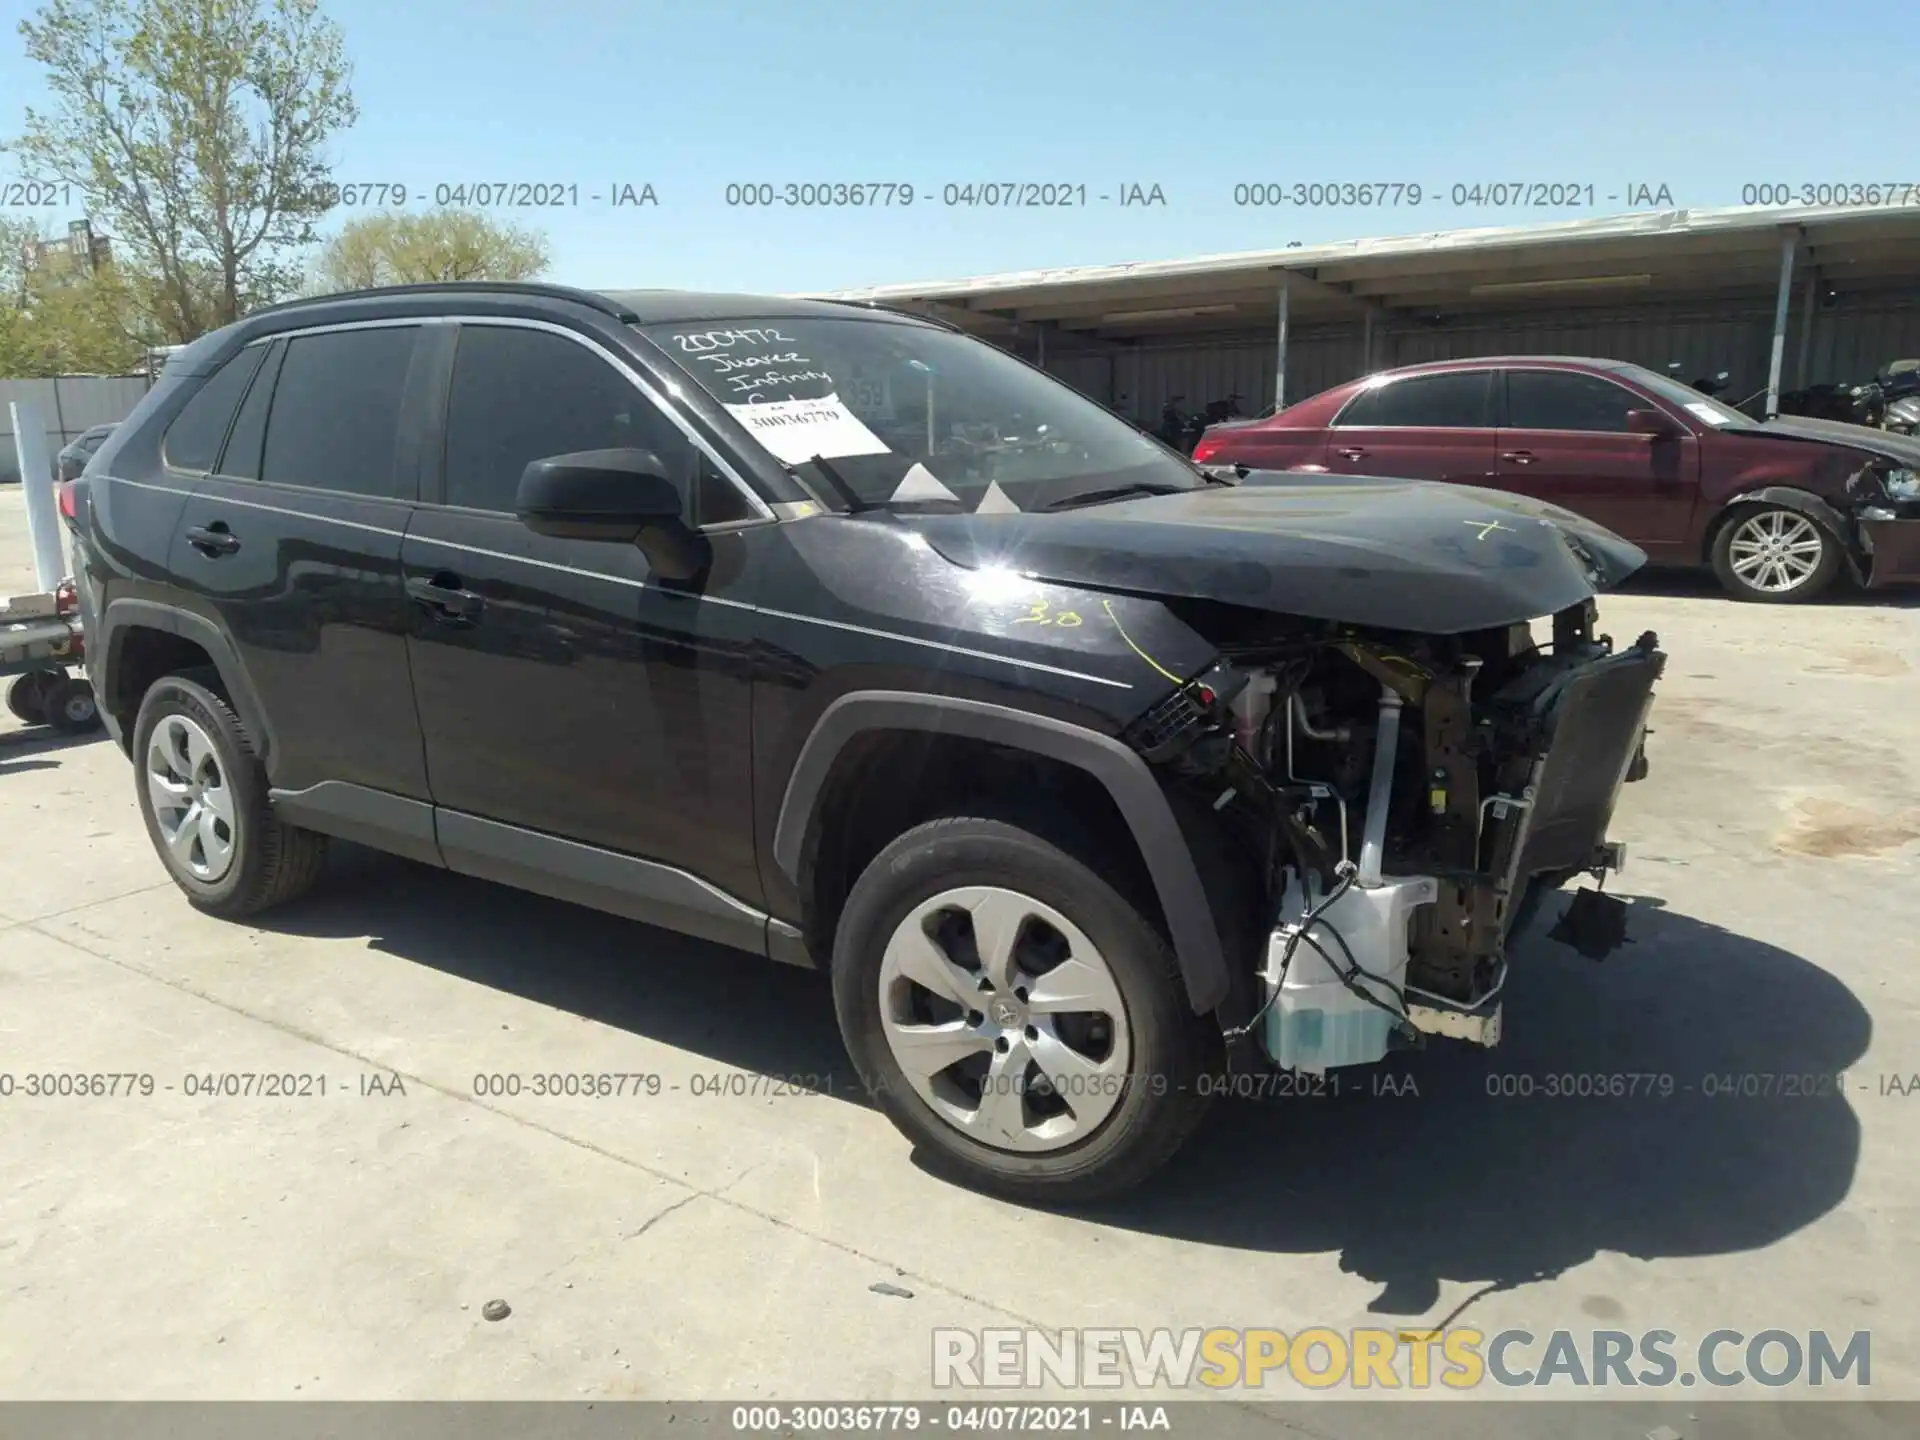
<point>1902,449</point>
<point>1399,554</point>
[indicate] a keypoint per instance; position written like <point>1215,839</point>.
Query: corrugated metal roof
<point>1737,222</point>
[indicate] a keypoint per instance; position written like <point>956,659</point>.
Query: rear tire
<point>203,795</point>
<point>1127,1088</point>
<point>25,696</point>
<point>1774,555</point>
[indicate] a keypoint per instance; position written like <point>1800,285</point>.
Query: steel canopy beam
<point>1789,241</point>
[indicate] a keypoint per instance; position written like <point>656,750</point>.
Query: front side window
<point>335,421</point>
<point>1455,400</point>
<point>1684,397</point>
<point>193,439</point>
<point>522,395</point>
<point>1567,400</point>
<point>897,412</point>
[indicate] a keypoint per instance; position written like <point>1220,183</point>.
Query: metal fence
<point>66,405</point>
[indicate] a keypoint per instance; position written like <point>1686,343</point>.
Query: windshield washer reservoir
<point>1317,1021</point>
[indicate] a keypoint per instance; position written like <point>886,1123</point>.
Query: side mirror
<point>617,495</point>
<point>1651,422</point>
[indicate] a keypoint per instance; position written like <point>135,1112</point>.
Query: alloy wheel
<point>1776,551</point>
<point>1004,1018</point>
<point>193,806</point>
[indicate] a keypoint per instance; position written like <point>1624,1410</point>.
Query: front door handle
<point>213,540</point>
<point>1352,452</point>
<point>442,597</point>
<point>1518,457</point>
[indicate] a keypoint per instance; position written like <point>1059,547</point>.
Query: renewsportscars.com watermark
<point>1461,1358</point>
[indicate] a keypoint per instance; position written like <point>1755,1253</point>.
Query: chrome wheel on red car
<point>1771,553</point>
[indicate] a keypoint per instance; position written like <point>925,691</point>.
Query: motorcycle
<point>1182,429</point>
<point>1903,415</point>
<point>1715,384</point>
<point>1227,409</point>
<point>1899,378</point>
<point>1853,404</point>
<point>1217,412</point>
<point>1883,401</point>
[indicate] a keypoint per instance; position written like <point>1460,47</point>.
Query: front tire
<point>203,794</point>
<point>1774,555</point>
<point>1014,1016</point>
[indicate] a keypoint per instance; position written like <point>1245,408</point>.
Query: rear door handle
<point>1518,457</point>
<point>1351,452</point>
<point>442,597</point>
<point>213,540</point>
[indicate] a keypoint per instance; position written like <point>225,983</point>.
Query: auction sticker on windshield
<point>797,430</point>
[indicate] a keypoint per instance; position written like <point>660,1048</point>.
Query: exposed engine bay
<point>1408,800</point>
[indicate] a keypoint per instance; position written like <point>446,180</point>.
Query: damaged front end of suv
<point>1410,799</point>
<point>1409,734</point>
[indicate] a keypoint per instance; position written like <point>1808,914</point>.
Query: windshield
<point>909,414</point>
<point>1700,406</point>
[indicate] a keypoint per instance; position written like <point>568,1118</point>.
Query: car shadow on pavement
<point>1731,1126</point>
<point>25,748</point>
<point>1448,1164</point>
<point>726,1005</point>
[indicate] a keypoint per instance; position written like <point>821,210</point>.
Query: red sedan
<point>1778,510</point>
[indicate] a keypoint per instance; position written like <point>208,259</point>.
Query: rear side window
<point>335,420</point>
<point>193,440</point>
<point>1567,400</point>
<point>242,457</point>
<point>1457,400</point>
<point>522,395</point>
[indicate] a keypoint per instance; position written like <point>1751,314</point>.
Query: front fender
<point>1807,503</point>
<point>1176,879</point>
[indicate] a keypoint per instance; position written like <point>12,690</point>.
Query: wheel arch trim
<point>124,615</point>
<point>1141,802</point>
<point>1788,497</point>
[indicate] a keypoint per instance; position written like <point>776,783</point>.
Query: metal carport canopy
<point>1671,254</point>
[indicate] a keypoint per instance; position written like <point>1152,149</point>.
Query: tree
<point>59,316</point>
<point>196,130</point>
<point>400,249</point>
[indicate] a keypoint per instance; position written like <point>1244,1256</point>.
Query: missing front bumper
<point>1892,544</point>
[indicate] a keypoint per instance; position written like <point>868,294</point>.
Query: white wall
<point>66,406</point>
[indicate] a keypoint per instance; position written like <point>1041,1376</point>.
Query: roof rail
<point>591,298</point>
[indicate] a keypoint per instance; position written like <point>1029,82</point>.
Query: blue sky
<point>1193,97</point>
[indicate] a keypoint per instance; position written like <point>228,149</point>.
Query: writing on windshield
<point>749,363</point>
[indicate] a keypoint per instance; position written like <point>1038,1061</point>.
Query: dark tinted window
<point>242,457</point>
<point>1458,400</point>
<point>1566,400</point>
<point>193,440</point>
<point>522,395</point>
<point>336,411</point>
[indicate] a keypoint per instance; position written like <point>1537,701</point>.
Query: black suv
<point>1099,782</point>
